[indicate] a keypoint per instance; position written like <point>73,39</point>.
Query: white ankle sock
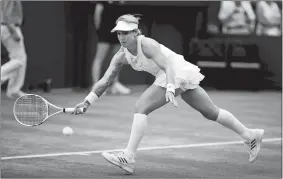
<point>228,120</point>
<point>137,132</point>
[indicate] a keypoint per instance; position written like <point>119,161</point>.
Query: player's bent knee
<point>142,111</point>
<point>211,114</point>
<point>142,108</point>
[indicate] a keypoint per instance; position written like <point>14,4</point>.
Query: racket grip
<point>70,110</point>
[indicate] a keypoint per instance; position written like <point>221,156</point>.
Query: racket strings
<point>31,110</point>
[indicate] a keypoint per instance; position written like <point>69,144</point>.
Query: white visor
<point>124,26</point>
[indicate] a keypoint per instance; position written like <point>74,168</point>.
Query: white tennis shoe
<point>123,159</point>
<point>253,146</point>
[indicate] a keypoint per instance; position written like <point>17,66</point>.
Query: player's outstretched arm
<point>99,88</point>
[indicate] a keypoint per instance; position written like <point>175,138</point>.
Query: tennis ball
<point>67,131</point>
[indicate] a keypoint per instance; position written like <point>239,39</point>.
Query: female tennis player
<point>174,76</point>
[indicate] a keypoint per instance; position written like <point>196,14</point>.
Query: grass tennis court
<point>179,143</point>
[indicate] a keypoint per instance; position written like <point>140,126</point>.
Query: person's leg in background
<point>105,15</point>
<point>15,69</point>
<point>117,87</point>
<point>101,53</point>
<point>103,48</point>
<point>107,43</point>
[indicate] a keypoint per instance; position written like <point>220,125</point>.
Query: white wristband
<point>91,97</point>
<point>171,88</point>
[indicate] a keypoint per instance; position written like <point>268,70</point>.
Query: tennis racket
<point>33,110</point>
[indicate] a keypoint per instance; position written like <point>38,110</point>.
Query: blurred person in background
<point>173,76</point>
<point>12,39</point>
<point>237,17</point>
<point>268,18</point>
<point>105,15</point>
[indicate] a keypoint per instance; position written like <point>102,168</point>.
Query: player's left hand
<point>171,97</point>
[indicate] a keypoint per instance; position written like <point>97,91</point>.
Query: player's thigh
<point>152,99</point>
<point>199,100</point>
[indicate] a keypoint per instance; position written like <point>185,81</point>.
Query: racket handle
<point>70,110</point>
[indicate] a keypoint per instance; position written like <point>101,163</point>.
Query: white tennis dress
<point>187,75</point>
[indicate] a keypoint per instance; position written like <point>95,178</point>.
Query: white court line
<point>146,148</point>
<point>84,154</point>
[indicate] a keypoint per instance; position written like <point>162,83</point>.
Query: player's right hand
<point>81,108</point>
<point>170,97</point>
